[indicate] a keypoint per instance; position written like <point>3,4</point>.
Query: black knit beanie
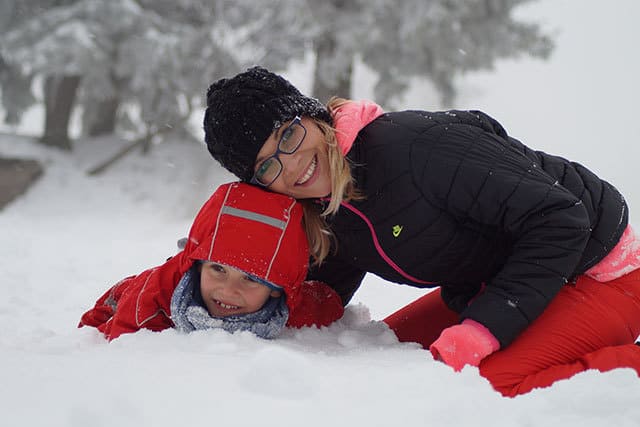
<point>244,110</point>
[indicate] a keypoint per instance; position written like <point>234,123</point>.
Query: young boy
<point>242,268</point>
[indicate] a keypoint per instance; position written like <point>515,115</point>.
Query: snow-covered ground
<point>72,236</point>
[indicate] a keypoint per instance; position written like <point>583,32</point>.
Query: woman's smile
<point>309,172</point>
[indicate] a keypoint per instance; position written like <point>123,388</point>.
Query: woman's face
<point>227,291</point>
<point>305,172</point>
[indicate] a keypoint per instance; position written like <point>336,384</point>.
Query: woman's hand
<point>464,344</point>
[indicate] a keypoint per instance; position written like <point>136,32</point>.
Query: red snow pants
<point>588,325</point>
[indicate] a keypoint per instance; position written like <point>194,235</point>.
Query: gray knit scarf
<point>188,312</point>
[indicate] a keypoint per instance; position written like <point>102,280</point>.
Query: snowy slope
<point>72,236</point>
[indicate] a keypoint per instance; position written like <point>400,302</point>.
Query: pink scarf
<point>351,118</point>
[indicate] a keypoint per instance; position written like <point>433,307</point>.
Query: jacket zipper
<point>381,251</point>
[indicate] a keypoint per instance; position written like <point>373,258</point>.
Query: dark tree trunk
<point>324,87</point>
<point>59,99</point>
<point>16,92</point>
<point>101,120</point>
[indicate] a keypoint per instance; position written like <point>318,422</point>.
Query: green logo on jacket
<point>397,229</point>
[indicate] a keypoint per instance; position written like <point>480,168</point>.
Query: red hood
<point>253,230</point>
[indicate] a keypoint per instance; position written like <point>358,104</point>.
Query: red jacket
<point>242,226</point>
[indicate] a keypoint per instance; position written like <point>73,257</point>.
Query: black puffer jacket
<point>453,200</point>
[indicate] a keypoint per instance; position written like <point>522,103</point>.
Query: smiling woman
<point>512,236</point>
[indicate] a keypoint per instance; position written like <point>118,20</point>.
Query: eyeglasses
<point>270,169</point>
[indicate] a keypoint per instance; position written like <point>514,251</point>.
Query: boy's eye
<point>217,268</point>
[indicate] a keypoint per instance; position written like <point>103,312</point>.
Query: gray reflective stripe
<point>241,213</point>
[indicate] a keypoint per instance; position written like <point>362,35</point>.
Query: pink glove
<point>464,344</point>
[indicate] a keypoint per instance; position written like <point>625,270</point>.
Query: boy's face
<point>227,291</point>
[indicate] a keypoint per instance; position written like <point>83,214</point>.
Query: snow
<point>72,236</point>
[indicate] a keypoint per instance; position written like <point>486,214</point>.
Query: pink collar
<point>351,118</point>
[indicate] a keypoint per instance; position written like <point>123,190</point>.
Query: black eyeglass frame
<point>297,121</point>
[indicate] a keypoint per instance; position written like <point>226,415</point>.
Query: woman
<point>446,199</point>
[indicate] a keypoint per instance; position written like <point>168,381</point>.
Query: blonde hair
<point>343,189</point>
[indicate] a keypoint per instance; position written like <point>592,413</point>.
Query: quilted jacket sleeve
<point>105,307</point>
<point>474,175</point>
<point>137,302</point>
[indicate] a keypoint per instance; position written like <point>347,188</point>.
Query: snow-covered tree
<point>436,39</point>
<point>15,91</point>
<point>222,38</point>
<point>145,64</point>
<point>105,49</point>
<point>343,28</point>
<point>15,86</point>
